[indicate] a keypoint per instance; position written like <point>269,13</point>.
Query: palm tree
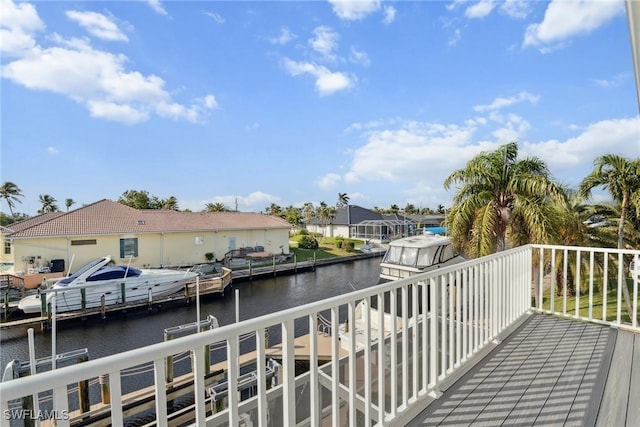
<point>170,204</point>
<point>10,193</point>
<point>308,213</point>
<point>48,204</point>
<point>620,176</point>
<point>273,210</point>
<point>68,203</point>
<point>325,213</point>
<point>501,198</point>
<point>343,200</point>
<point>215,207</point>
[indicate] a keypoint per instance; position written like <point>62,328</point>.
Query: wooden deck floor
<point>548,372</point>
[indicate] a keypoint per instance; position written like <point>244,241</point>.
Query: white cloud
<point>256,201</point>
<point>283,38</point>
<point>327,81</point>
<point>52,150</point>
<point>329,181</point>
<point>455,37</point>
<point>518,9</point>
<point>122,113</point>
<point>350,10</point>
<point>479,9</point>
<point>358,57</point>
<point>499,103</point>
<point>618,136</point>
<point>389,15</point>
<point>100,81</point>
<point>18,25</point>
<point>325,41</point>
<point>97,25</point>
<point>565,19</point>
<point>216,17</point>
<point>513,129</point>
<point>615,81</point>
<point>157,7</point>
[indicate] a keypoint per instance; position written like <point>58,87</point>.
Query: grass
<point>327,248</point>
<point>598,302</point>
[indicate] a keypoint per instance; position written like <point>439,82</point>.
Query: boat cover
<point>113,272</point>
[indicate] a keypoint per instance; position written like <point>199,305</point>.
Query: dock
<point>138,404</point>
<point>207,285</point>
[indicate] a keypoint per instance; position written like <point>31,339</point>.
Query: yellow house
<point>155,238</point>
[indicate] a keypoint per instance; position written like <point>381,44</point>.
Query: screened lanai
<point>383,229</point>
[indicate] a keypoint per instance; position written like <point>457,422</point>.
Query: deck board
<point>613,410</point>
<point>633,410</point>
<point>543,374</point>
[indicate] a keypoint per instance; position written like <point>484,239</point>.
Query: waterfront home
<point>156,238</point>
<point>356,222</point>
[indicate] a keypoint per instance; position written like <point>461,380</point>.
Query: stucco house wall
<point>166,239</point>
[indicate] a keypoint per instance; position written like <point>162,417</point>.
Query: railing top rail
<point>587,248</point>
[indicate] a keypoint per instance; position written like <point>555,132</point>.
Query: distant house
<point>142,237</point>
<point>356,222</point>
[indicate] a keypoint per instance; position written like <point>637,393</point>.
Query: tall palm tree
<point>343,200</point>
<point>10,193</point>
<point>308,213</point>
<point>620,176</point>
<point>68,203</point>
<point>501,198</point>
<point>325,213</point>
<point>48,204</point>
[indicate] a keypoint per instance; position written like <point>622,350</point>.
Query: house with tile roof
<point>352,221</point>
<point>156,238</point>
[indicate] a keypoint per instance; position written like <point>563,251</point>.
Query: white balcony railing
<point>384,363</point>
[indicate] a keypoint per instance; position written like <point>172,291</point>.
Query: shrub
<point>348,245</point>
<point>308,242</point>
<point>304,232</point>
<point>338,242</point>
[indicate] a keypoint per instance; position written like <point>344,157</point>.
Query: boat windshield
<point>418,257</point>
<point>67,280</point>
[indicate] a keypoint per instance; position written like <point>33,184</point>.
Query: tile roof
<point>109,217</point>
<point>30,222</point>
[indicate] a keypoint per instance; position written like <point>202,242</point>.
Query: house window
<point>84,242</point>
<point>129,247</point>
<point>7,247</point>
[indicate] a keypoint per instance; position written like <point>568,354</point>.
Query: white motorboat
<point>417,254</point>
<point>117,283</point>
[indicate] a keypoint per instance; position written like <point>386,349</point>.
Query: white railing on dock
<point>439,320</point>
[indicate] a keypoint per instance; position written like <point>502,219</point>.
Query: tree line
<point>500,201</point>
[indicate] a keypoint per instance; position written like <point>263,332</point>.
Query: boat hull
<point>117,291</point>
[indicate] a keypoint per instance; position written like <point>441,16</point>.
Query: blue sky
<point>291,102</point>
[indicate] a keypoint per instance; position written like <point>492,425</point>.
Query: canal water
<point>122,332</point>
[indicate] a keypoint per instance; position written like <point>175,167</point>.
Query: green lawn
<point>598,303</point>
<point>327,248</point>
